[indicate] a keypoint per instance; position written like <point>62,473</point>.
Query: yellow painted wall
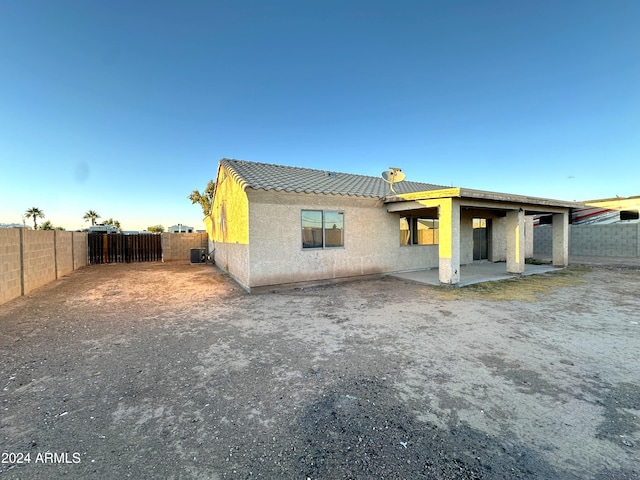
<point>208,226</point>
<point>446,228</point>
<point>229,221</point>
<point>431,194</point>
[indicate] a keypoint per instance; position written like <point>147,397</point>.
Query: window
<point>479,223</point>
<point>419,231</point>
<point>322,229</point>
<point>405,233</point>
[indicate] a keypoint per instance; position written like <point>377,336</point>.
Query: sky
<point>125,107</point>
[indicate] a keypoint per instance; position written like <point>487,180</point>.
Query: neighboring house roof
<point>617,203</point>
<point>306,180</point>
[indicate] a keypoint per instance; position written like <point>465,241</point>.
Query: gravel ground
<point>171,371</point>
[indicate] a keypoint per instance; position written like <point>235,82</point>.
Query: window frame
<point>324,229</point>
<point>412,221</point>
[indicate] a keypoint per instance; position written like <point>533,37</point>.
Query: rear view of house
<point>274,225</point>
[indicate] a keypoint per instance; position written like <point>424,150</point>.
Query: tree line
<point>91,216</point>
<point>204,199</point>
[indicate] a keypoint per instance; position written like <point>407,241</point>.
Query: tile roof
<point>306,180</point>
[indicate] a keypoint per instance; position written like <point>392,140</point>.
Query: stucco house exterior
<point>275,225</point>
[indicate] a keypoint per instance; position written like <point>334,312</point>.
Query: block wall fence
<point>32,258</point>
<point>177,246</point>
<point>613,240</point>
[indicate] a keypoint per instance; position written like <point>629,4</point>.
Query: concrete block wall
<point>177,246</point>
<point>32,258</point>
<point>10,269</point>
<point>543,239</point>
<point>80,253</point>
<point>64,253</point>
<point>613,240</point>
<point>38,261</point>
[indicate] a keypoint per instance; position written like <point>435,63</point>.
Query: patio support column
<point>449,246</point>
<point>515,241</point>
<point>560,239</point>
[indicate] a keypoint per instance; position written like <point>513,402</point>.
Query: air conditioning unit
<point>198,255</point>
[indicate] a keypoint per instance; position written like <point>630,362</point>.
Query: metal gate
<point>124,248</point>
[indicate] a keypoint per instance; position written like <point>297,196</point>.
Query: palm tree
<point>91,215</point>
<point>49,226</point>
<point>113,222</point>
<point>36,213</point>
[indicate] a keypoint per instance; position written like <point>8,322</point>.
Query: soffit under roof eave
<point>529,209</point>
<point>468,193</point>
<point>424,195</point>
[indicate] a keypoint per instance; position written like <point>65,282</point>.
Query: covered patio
<point>457,211</point>
<point>476,272</point>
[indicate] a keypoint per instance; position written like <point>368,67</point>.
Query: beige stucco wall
<point>466,237</point>
<point>233,258</point>
<point>9,264</point>
<point>372,240</point>
<point>497,235</point>
<point>499,238</point>
<point>528,236</point>
<point>269,251</point>
<point>498,243</point>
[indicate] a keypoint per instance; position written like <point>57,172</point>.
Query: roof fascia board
<point>506,205</point>
<point>215,191</point>
<point>467,194</point>
<point>516,199</point>
<point>425,195</point>
<point>234,174</point>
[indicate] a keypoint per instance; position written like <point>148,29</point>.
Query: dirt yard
<point>171,371</point>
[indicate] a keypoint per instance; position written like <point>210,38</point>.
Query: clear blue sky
<point>124,107</point>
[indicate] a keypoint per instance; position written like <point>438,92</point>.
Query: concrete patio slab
<point>476,272</point>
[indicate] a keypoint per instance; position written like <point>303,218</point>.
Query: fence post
<point>55,254</point>
<point>21,242</point>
